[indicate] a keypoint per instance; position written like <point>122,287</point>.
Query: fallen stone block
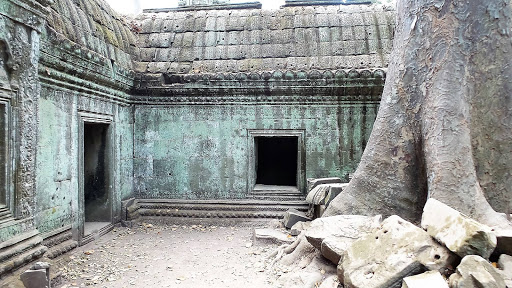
<point>462,235</point>
<point>332,248</point>
<point>476,272</point>
<point>505,265</point>
<point>318,194</point>
<point>333,235</point>
<point>334,190</point>
<point>397,249</point>
<point>299,227</point>
<point>293,216</point>
<point>313,182</point>
<point>430,279</point>
<point>271,236</point>
<point>504,241</point>
<point>349,227</point>
<point>37,277</point>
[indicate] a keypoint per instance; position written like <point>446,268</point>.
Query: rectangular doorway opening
<point>96,178</point>
<point>276,160</point>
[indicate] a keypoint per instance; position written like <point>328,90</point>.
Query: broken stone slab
<point>299,227</point>
<point>271,236</point>
<point>318,194</point>
<point>313,182</point>
<point>397,249</point>
<point>475,272</point>
<point>343,227</point>
<point>504,241</point>
<point>429,279</point>
<point>462,235</point>
<point>293,216</point>
<point>332,248</point>
<point>37,277</point>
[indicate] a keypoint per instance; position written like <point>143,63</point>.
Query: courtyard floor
<point>151,255</point>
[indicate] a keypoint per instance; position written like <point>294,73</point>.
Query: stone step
<point>278,197</point>
<point>61,248</point>
<point>57,236</point>
<point>211,213</point>
<point>5,215</point>
<point>232,209</point>
<point>20,250</point>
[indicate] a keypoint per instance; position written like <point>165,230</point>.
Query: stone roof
<point>291,38</point>
<point>95,25</point>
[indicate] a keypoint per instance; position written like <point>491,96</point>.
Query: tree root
<point>299,265</point>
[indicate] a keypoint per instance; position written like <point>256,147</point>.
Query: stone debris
<point>339,232</point>
<point>334,190</point>
<point>476,272</point>
<point>293,216</point>
<point>299,227</point>
<point>462,235</point>
<point>505,265</point>
<point>313,182</point>
<point>397,249</point>
<point>430,279</point>
<point>37,277</point>
<point>271,236</point>
<point>318,194</point>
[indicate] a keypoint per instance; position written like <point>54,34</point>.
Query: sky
<point>130,6</point>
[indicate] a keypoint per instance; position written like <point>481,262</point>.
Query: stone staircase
<point>234,210</point>
<point>276,193</point>
<point>59,242</point>
<point>5,215</point>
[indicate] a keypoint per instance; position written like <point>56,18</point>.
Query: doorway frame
<point>252,154</point>
<point>83,119</point>
<point>10,131</point>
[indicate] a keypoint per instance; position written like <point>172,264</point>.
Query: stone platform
<point>231,210</point>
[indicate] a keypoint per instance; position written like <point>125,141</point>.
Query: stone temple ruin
<point>223,111</point>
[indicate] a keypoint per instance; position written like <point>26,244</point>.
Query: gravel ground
<point>151,255</point>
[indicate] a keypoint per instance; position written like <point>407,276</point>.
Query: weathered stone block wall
<point>85,67</point>
<point>21,23</point>
<point>201,151</point>
<point>58,154</point>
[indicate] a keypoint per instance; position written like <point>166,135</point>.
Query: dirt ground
<point>152,255</point>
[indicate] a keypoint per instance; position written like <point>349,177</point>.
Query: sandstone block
<point>299,227</point>
<point>271,236</point>
<point>397,249</point>
<point>505,265</point>
<point>293,216</point>
<point>318,194</point>
<point>428,279</point>
<point>348,227</point>
<point>37,277</point>
<point>474,271</point>
<point>334,190</point>
<point>312,182</point>
<point>332,235</point>
<point>462,235</point>
<point>333,248</point>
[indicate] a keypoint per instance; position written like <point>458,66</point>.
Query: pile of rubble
<point>448,250</point>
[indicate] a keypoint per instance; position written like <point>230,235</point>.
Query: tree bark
<point>444,127</point>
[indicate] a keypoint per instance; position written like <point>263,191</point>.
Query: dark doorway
<point>276,160</point>
<point>97,202</point>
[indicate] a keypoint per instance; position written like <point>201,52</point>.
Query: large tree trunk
<point>444,128</point>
